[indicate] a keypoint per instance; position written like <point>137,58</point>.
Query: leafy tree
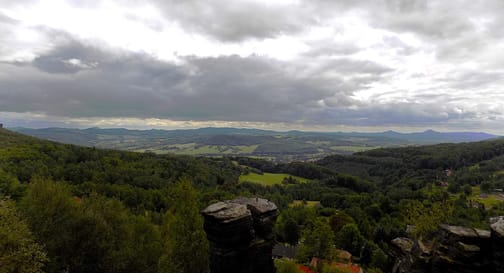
<point>9,185</point>
<point>350,239</point>
<point>427,217</point>
<point>339,220</point>
<point>53,215</point>
<point>18,250</point>
<point>486,187</point>
<point>187,245</point>
<point>287,229</point>
<point>467,190</point>
<point>378,259</point>
<point>291,231</point>
<point>318,241</point>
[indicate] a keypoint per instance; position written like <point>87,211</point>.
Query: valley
<point>272,145</point>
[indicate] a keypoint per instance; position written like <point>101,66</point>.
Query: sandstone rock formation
<point>240,235</point>
<point>497,230</point>
<point>452,249</point>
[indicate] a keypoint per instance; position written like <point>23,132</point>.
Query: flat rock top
<point>497,226</point>
<point>259,205</point>
<point>405,244</point>
<point>466,231</point>
<point>226,211</point>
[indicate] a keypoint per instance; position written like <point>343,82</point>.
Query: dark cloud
<point>421,61</point>
<point>135,85</point>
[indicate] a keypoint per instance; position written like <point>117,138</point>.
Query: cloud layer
<point>300,64</point>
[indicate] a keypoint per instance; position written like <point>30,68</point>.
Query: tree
<point>9,185</point>
<point>378,259</point>
<point>350,239</point>
<point>427,217</point>
<point>53,215</point>
<point>18,250</point>
<point>486,187</point>
<point>318,241</point>
<point>467,190</point>
<point>286,228</point>
<point>186,249</point>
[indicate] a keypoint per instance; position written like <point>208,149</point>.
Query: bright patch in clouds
<point>318,65</point>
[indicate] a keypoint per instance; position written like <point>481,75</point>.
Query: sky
<point>319,65</point>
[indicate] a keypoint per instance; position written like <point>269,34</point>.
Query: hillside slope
<point>280,146</point>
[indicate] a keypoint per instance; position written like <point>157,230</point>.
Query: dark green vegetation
<point>91,210</point>
<point>280,146</point>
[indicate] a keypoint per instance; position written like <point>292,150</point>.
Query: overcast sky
<point>331,65</point>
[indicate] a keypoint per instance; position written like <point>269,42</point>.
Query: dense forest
<point>65,208</point>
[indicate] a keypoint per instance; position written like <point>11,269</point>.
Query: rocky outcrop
<point>240,232</point>
<point>453,249</point>
<point>462,249</point>
<point>497,230</point>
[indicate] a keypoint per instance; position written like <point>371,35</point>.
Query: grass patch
<point>489,201</point>
<point>352,149</point>
<point>310,204</point>
<point>269,179</point>
<point>196,149</point>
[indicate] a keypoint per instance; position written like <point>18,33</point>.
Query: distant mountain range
<point>282,146</point>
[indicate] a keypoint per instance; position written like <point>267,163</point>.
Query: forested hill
<point>65,208</point>
<point>82,209</point>
<point>280,146</point>
<point>27,158</point>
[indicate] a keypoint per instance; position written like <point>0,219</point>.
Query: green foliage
<point>467,189</point>
<point>270,178</point>
<point>318,241</point>
<point>92,234</point>
<point>427,217</point>
<point>486,187</point>
<point>53,215</point>
<point>378,259</point>
<point>350,239</point>
<point>19,252</point>
<point>326,268</point>
<point>287,227</point>
<point>286,266</point>
<point>338,220</point>
<point>9,185</point>
<point>112,211</point>
<point>187,245</point>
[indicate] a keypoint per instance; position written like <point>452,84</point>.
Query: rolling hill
<point>278,146</point>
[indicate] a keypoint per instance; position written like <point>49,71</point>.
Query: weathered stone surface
<point>408,256</point>
<point>468,248</point>
<point>225,211</point>
<point>453,249</point>
<point>497,226</point>
<point>497,229</point>
<point>404,244</point>
<point>240,235</point>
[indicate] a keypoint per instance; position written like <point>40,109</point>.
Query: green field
<point>490,201</point>
<point>197,149</point>
<point>352,149</point>
<point>310,204</point>
<point>269,179</point>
